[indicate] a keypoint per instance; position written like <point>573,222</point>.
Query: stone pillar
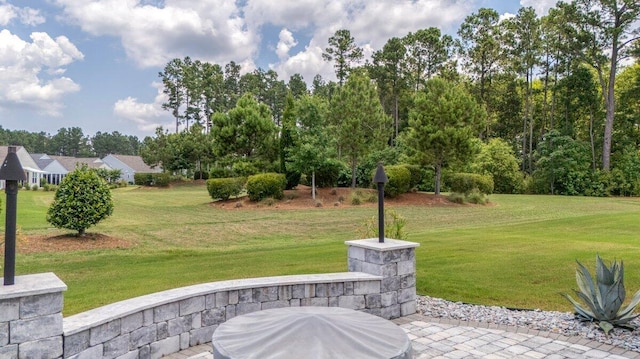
<point>31,317</point>
<point>395,261</point>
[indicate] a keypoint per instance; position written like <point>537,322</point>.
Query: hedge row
<point>468,182</point>
<point>152,179</point>
<point>259,186</point>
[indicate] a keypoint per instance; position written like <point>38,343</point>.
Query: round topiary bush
<point>399,180</point>
<point>224,188</point>
<point>265,185</point>
<point>467,182</point>
<point>82,200</point>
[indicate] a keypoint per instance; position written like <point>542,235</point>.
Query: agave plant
<point>603,298</point>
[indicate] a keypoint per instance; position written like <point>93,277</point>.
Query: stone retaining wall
<point>381,281</point>
<point>31,317</point>
<point>166,322</point>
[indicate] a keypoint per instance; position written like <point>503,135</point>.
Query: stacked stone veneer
<point>381,281</point>
<point>395,261</point>
<point>31,317</point>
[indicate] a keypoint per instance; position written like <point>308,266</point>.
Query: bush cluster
<point>224,188</point>
<point>399,180</point>
<point>152,179</point>
<point>265,185</point>
<point>468,182</point>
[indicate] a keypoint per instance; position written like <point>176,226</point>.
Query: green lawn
<point>518,252</point>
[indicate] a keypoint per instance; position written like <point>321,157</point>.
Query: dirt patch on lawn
<point>300,198</point>
<point>66,242</point>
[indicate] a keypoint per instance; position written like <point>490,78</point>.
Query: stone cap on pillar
<point>32,284</point>
<point>388,244</point>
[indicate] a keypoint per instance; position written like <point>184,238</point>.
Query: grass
<point>518,252</point>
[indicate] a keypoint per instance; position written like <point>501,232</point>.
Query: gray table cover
<point>310,332</point>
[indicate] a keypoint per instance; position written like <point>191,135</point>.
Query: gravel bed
<point>556,322</point>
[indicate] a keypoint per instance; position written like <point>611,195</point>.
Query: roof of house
<point>41,159</point>
<point>69,163</point>
<point>26,161</point>
<point>135,162</point>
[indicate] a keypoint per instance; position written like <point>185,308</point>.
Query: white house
<point>30,167</point>
<point>129,165</point>
<point>54,170</point>
<point>70,163</point>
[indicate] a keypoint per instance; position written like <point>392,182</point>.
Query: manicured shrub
<point>224,188</point>
<point>152,179</point>
<point>265,185</point>
<point>143,179</point>
<point>34,187</point>
<point>82,200</point>
<point>161,179</point>
<point>399,180</point>
<point>466,182</point>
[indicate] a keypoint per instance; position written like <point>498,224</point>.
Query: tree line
<point>548,94</point>
<point>542,104</point>
<point>72,142</point>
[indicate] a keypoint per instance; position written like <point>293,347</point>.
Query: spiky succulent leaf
<point>604,297</point>
<point>626,314</point>
<point>606,326</point>
<point>604,275</point>
<point>580,310</point>
<point>588,289</point>
<point>596,313</point>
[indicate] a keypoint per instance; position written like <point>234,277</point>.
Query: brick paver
<point>435,338</point>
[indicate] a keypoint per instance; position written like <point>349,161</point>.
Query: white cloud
<point>211,30</point>
<point>7,13</point>
<point>31,71</point>
<point>540,6</point>
<point>371,23</point>
<point>26,15</point>
<point>31,16</point>
<point>285,44</point>
<point>146,116</point>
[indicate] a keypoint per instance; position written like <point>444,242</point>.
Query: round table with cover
<point>310,332</point>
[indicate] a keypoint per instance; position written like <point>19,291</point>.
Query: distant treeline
<point>72,142</point>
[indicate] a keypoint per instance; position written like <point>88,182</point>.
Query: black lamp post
<point>380,178</point>
<point>11,172</point>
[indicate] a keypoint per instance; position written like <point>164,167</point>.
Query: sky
<point>94,64</point>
